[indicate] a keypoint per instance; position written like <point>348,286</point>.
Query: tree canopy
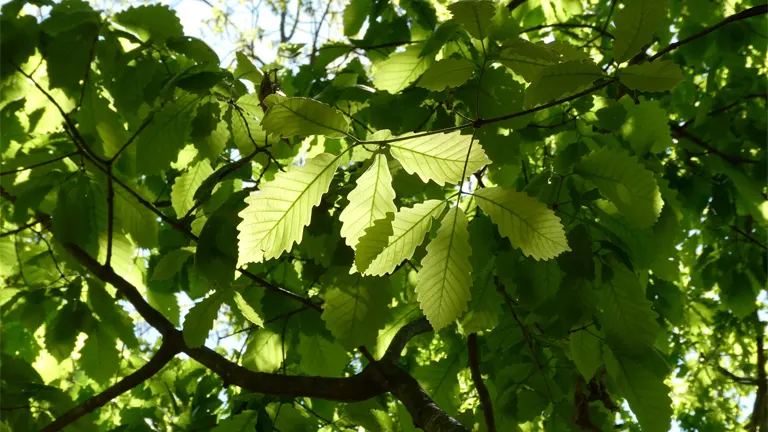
<point>463,216</point>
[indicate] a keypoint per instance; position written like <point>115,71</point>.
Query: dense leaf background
<point>472,215</point>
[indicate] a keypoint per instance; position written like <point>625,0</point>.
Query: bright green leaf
<point>474,15</point>
<point>277,214</point>
<point>442,158</point>
<point>526,222</point>
<point>446,275</point>
<point>556,80</point>
<point>446,73</point>
<point>369,201</point>
<point>400,69</point>
<point>199,320</point>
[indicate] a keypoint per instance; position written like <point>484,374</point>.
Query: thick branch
<point>153,366</point>
<point>751,12</point>
<point>477,378</point>
<point>362,386</point>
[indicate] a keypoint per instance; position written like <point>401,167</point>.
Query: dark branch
<point>748,237</point>
<point>477,378</point>
<point>153,366</point>
<point>511,6</point>
<point>679,132</point>
<point>568,25</point>
<point>749,13</point>
<point>19,229</point>
<point>359,387</point>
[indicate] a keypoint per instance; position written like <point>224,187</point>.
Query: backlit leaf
<point>446,276</point>
<point>303,117</point>
<point>442,158</point>
<point>527,223</point>
<point>277,214</point>
<point>635,25</point>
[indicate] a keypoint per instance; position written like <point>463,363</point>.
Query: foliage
<point>573,192</point>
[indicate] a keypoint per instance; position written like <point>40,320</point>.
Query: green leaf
<point>442,158</point>
<point>474,15</point>
<point>556,80</point>
<point>586,352</point>
<point>135,219</point>
<point>355,14</point>
<point>401,69</point>
<point>62,331</point>
<point>369,201</point>
<point>170,264</point>
<point>247,133</point>
<point>446,73</point>
<point>646,127</point>
<point>99,357</point>
<point>441,381</point>
<point>442,34</point>
<point>154,22</point>
<point>244,421</point>
<point>249,303</point>
<point>76,219</point>
<point>373,242</point>
<point>528,224</point>
<point>353,310</point>
<point>216,252</point>
<point>303,117</point>
<point>111,314</point>
<point>199,320</point>
<point>209,134</point>
<point>537,281</point>
<point>246,70</point>
<point>626,182</point>
<point>484,307</point>
<point>527,59</point>
<point>638,242</point>
<point>264,352</point>
<point>160,142</point>
<point>652,77</point>
<point>321,357</point>
<point>635,25</point>
<point>183,190</point>
<point>626,315</point>
<point>409,227</point>
<point>645,391</point>
<point>277,214</point>
<point>445,277</point>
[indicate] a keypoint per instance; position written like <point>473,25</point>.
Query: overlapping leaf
<point>446,73</point>
<point>624,181</point>
<point>400,70</point>
<point>652,77</point>
<point>635,25</point>
<point>409,227</point>
<point>558,79</point>
<point>370,200</point>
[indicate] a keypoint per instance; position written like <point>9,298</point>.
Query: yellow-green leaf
<point>474,15</point>
<point>408,230</point>
<point>446,73</point>
<point>371,199</point>
<point>445,277</point>
<point>183,190</point>
<point>442,158</point>
<point>276,215</point>
<point>400,69</point>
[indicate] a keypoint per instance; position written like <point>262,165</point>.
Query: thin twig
<point>18,170</point>
<point>749,13</point>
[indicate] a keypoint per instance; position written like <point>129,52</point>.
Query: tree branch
<point>359,387</point>
<point>679,132</point>
<point>751,12</point>
<point>748,237</point>
<point>153,366</point>
<point>477,378</point>
<point>600,30</point>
